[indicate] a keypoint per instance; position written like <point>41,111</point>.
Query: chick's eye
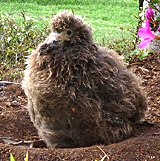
<point>69,32</point>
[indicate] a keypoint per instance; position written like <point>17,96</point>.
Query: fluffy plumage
<point>80,94</point>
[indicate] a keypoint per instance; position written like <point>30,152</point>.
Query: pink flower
<point>146,35</point>
<point>150,14</point>
<point>159,28</point>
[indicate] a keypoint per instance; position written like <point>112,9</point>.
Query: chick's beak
<point>55,37</point>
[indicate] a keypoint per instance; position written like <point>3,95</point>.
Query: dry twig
<point>105,155</point>
<point>6,82</point>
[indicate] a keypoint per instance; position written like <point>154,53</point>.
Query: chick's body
<point>80,94</point>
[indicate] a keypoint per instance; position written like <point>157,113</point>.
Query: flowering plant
<point>146,33</point>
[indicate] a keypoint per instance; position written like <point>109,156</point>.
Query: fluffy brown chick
<point>80,94</point>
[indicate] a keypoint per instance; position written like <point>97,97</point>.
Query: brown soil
<point>144,145</point>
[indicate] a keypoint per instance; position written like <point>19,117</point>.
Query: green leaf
<point>140,58</point>
<point>151,5</point>
<point>26,156</point>
<point>155,1</point>
<point>144,54</point>
<point>135,52</point>
<point>11,157</point>
<point>30,50</point>
<point>157,18</point>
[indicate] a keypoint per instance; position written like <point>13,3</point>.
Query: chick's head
<point>70,29</point>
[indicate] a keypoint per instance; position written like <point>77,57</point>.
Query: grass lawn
<point>18,35</point>
<point>105,16</point>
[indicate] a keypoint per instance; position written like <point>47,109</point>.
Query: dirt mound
<point>15,126</point>
<point>149,71</point>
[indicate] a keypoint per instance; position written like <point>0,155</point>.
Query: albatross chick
<point>80,94</point>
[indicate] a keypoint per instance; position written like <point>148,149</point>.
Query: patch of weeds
<point>17,39</point>
<point>122,45</point>
<point>139,54</point>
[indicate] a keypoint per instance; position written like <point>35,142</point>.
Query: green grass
<point>105,16</point>
<point>23,25</point>
<point>12,158</point>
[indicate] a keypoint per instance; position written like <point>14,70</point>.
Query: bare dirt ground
<point>144,145</point>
